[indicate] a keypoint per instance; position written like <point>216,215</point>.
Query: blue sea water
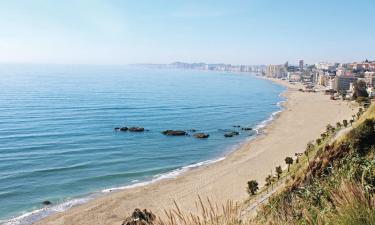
<point>57,140</point>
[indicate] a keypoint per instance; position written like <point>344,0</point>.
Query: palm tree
<point>318,141</point>
<point>252,187</point>
<point>345,123</point>
<point>279,171</point>
<point>289,161</point>
<point>338,125</point>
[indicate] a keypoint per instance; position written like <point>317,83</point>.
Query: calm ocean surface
<point>57,140</point>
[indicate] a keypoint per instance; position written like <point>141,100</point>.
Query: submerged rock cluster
<point>201,135</point>
<point>130,129</point>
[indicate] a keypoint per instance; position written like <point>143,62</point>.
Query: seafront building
<point>276,71</point>
<point>342,83</point>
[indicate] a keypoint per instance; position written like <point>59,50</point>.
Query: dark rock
<point>237,126</point>
<point>136,129</point>
<point>124,129</point>
<point>201,135</point>
<point>193,130</point>
<point>139,217</point>
<point>47,202</point>
<point>246,128</point>
<point>231,134</point>
<point>117,128</point>
<point>174,132</point>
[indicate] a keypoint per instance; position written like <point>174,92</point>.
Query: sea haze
<point>57,141</point>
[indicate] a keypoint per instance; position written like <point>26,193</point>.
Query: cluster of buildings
<point>333,77</point>
<point>217,67</point>
<point>211,67</point>
<point>337,77</point>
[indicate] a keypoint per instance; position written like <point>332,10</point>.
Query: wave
<point>258,128</point>
<point>36,215</point>
<point>170,175</point>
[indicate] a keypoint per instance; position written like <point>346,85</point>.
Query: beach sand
<point>304,119</point>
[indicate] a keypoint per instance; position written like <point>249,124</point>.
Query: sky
<point>163,31</point>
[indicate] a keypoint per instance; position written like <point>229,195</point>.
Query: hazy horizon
<point>238,32</point>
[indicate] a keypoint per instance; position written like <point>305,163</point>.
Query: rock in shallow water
<point>136,129</point>
<point>174,132</point>
<point>124,129</point>
<point>201,135</point>
<point>47,202</point>
<point>231,134</point>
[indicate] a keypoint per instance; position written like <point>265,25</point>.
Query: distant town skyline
<point>235,32</point>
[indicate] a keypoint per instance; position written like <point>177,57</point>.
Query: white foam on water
<point>170,175</point>
<point>36,215</point>
<point>258,128</point>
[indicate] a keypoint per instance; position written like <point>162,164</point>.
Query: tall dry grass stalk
<point>353,205</point>
<point>208,214</point>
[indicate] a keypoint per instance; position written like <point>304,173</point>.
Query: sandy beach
<point>304,118</point>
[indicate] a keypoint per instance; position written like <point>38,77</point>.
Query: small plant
<point>289,161</point>
<point>269,180</point>
<point>252,187</point>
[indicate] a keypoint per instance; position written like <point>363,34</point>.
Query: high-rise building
<point>276,71</point>
<point>301,63</point>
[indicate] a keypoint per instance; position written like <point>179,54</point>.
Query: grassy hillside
<point>336,187</point>
<point>332,182</point>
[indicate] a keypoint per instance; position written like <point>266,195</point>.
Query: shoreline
<point>38,215</point>
<point>126,194</point>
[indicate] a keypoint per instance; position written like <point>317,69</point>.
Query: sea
<point>57,137</point>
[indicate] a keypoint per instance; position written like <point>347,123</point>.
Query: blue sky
<point>163,31</point>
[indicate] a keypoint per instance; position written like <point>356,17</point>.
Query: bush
<point>360,90</point>
<point>363,137</point>
<point>252,187</point>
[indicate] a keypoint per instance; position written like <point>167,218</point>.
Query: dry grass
<point>353,206</point>
<point>209,214</point>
